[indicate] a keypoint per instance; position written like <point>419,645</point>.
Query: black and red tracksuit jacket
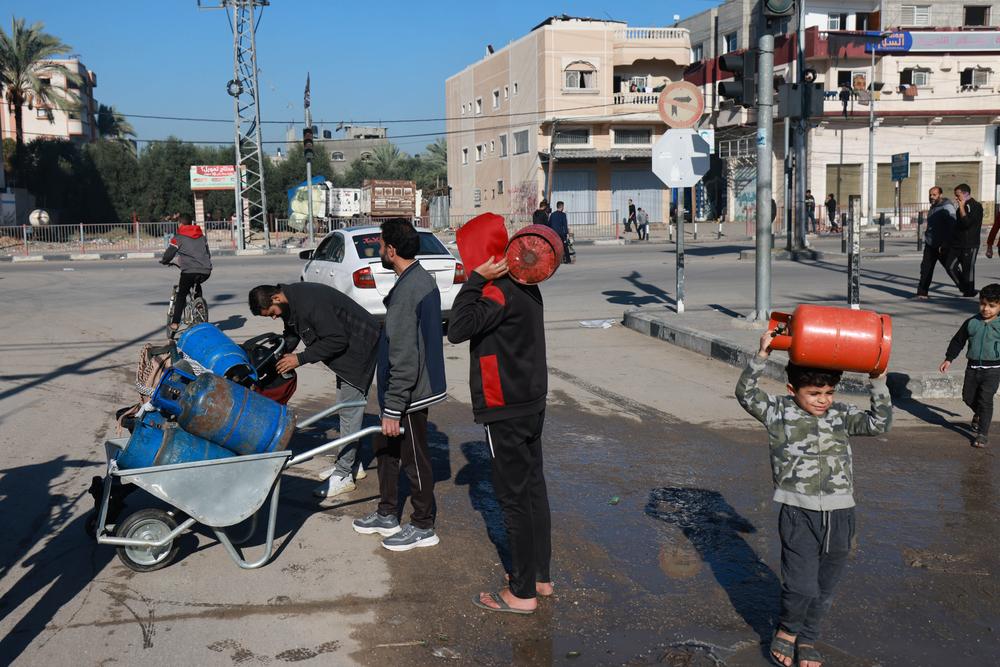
<point>505,324</point>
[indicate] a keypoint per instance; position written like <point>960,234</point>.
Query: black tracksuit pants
<point>519,484</point>
<point>960,264</point>
<point>814,549</point>
<point>932,255</point>
<point>187,282</point>
<point>978,390</point>
<point>410,450</point>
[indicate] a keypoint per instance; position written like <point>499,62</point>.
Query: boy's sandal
<point>808,653</point>
<point>501,605</point>
<point>783,648</point>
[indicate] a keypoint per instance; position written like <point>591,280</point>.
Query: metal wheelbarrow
<point>219,493</point>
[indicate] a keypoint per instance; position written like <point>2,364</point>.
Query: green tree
<point>113,126</point>
<point>436,155</point>
<point>389,162</point>
<point>116,171</point>
<point>26,68</point>
<point>164,179</point>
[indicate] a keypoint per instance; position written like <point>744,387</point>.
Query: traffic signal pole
<point>801,134</point>
<point>765,151</point>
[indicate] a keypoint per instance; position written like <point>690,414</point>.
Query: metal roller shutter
<point>885,188</point>
<point>642,187</point>
<point>949,174</point>
<point>577,189</point>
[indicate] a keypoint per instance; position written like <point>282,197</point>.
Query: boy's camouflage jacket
<point>810,456</point>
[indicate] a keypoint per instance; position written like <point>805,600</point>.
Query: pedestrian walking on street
<point>642,224</point>
<point>560,225</point>
<point>632,220</point>
<point>541,215</point>
<point>961,260</point>
<point>410,379</point>
<point>338,333</point>
<point>831,212</point>
<point>811,211</point>
<point>813,482</point>
<point>980,335</point>
<point>937,238</point>
<point>508,379</point>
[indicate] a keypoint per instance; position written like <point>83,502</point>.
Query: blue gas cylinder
<point>169,389</point>
<point>157,442</point>
<point>216,352</point>
<point>235,417</point>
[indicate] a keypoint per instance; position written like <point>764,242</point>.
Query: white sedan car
<point>348,261</point>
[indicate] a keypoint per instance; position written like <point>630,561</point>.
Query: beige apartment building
<point>53,121</point>
<point>592,85</point>
<point>936,96</point>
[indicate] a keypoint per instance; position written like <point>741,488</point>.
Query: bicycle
<point>195,309</point>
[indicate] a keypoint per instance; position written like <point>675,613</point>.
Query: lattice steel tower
<point>251,198</point>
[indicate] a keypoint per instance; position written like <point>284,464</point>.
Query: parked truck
<point>343,202</point>
<point>389,199</point>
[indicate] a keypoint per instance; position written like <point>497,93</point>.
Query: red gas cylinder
<point>835,338</point>
<point>534,254</point>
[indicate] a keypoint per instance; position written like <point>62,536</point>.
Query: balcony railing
<point>637,99</point>
<point>651,33</point>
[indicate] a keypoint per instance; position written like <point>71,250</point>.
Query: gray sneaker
<point>410,537</point>
<point>376,523</point>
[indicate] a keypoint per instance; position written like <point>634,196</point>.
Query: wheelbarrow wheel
<point>151,525</point>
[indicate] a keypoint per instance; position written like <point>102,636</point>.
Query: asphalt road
<point>664,532</point>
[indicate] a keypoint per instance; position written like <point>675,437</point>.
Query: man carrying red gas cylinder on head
<point>504,321</point>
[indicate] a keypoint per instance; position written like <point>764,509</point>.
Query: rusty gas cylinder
<point>533,254</point>
<point>835,338</point>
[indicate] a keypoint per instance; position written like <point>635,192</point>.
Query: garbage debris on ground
<point>597,324</point>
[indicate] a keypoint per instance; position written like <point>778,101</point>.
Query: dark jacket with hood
<point>411,350</point>
<point>968,228</point>
<point>505,324</point>
<point>940,224</point>
<point>189,250</point>
<point>335,330</point>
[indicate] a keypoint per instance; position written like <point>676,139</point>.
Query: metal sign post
<point>680,247</point>
<point>900,170</point>
<point>765,149</point>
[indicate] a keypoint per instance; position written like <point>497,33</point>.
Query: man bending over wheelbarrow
<point>342,335</point>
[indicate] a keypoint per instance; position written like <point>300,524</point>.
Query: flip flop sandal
<point>502,606</point>
<point>782,647</point>
<point>808,653</point>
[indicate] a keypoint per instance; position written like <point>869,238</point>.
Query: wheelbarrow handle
<point>334,444</point>
<point>329,411</point>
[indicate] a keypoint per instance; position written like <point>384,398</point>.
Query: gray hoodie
<point>940,223</point>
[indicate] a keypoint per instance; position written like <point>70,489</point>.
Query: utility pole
<point>765,149</point>
<point>802,129</point>
<point>251,198</point>
<point>552,162</point>
<point>307,150</point>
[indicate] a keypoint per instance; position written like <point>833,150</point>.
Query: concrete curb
<point>85,256</point>
<point>26,258</point>
<point>901,384</point>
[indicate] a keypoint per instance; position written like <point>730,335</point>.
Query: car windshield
<point>367,245</point>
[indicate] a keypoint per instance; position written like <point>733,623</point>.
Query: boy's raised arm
<point>753,399</point>
<point>878,418</point>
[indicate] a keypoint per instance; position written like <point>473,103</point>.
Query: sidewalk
<point>921,331</point>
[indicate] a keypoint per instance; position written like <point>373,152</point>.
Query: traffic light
<point>307,142</point>
<point>742,90</point>
<point>778,8</point>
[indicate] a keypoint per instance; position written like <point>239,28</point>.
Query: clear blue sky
<point>368,60</point>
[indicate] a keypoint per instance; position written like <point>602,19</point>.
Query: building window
<point>977,15</point>
<point>628,136</point>
<point>337,156</point>
<point>479,105</point>
<point>853,79</point>
<point>465,156</point>
<point>480,149</point>
<point>496,99</point>
<point>515,87</point>
<point>731,42</point>
<point>580,75</point>
<point>836,21</point>
<point>493,146</point>
<point>915,15</point>
<point>500,187</point>
<point>503,145</point>
<point>41,113</point>
<point>463,109</point>
<point>520,142</point>
<point>974,77</point>
<point>697,53</point>
<point>506,92</point>
<point>574,137</point>
<point>914,77</point>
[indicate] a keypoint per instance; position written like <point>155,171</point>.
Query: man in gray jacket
<point>937,238</point>
<point>410,379</point>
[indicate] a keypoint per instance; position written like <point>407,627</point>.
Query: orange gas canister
<point>534,254</point>
<point>835,338</point>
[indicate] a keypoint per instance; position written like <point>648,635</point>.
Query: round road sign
<point>38,217</point>
<point>681,104</point>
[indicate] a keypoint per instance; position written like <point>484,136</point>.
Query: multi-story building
<point>935,93</point>
<point>71,113</point>
<point>592,85</point>
<point>358,142</point>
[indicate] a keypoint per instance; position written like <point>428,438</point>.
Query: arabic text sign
<point>892,43</point>
<point>214,176</point>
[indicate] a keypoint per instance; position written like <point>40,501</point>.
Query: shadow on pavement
<point>714,528</point>
<point>653,295</point>
<point>477,474</point>
<point>232,322</point>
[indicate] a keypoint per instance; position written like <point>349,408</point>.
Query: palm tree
<point>26,68</point>
<point>436,154</point>
<point>113,126</point>
<point>386,160</point>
